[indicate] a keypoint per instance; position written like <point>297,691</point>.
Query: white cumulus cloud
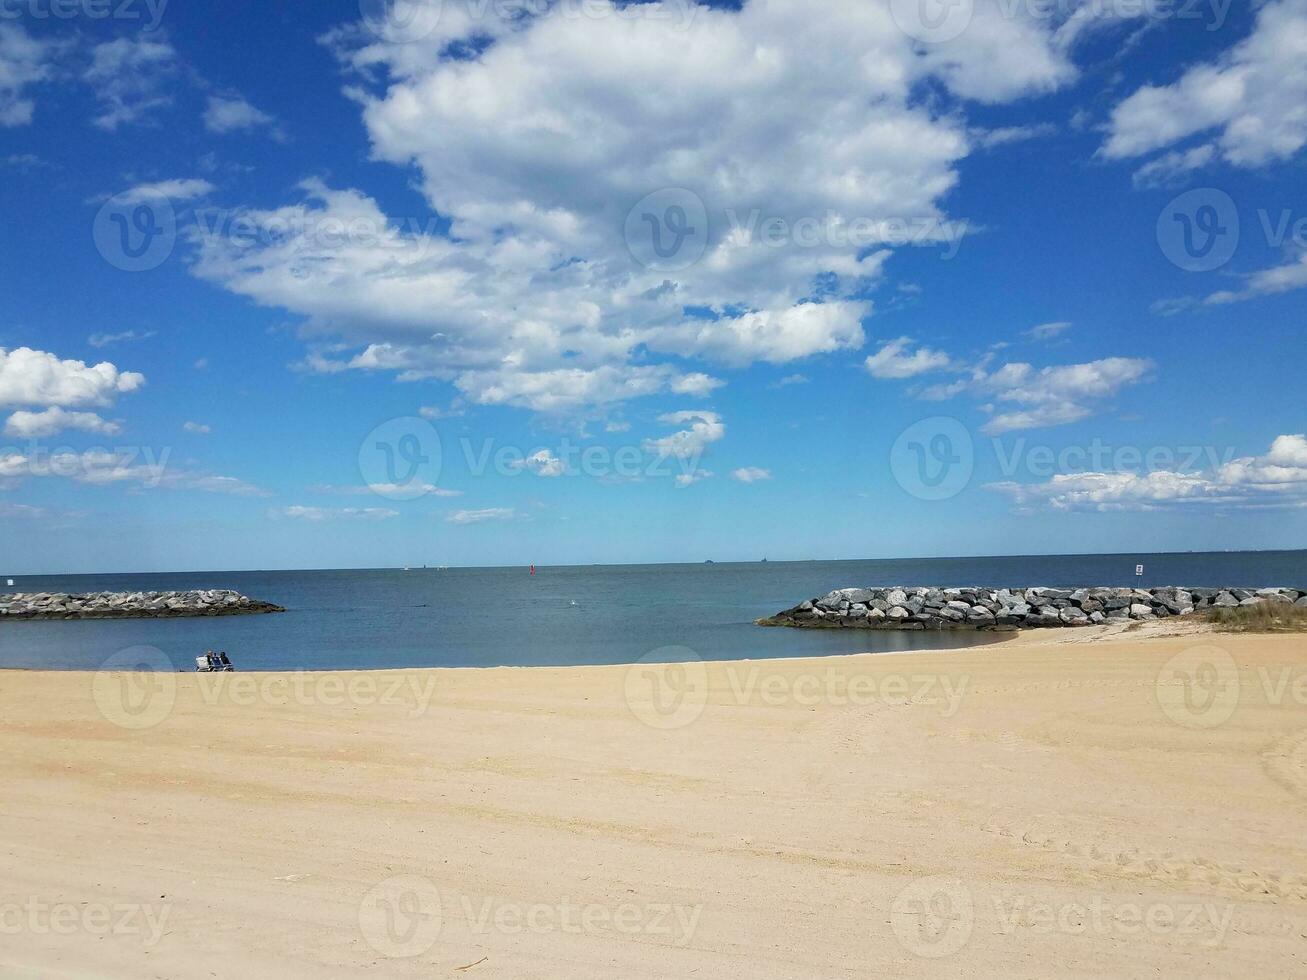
<point>704,428</point>
<point>1036,398</point>
<point>1248,102</point>
<point>52,421</point>
<point>1276,479</point>
<point>482,516</point>
<point>130,77</point>
<point>174,189</point>
<point>896,360</point>
<point>24,61</point>
<point>33,377</point>
<point>539,148</point>
<point>541,463</point>
<point>232,113</point>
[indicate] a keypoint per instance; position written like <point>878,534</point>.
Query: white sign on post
<point>1139,569</point>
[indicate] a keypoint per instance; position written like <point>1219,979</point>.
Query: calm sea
<point>594,614</point>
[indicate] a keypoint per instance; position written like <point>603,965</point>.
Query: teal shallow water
<point>594,614</point>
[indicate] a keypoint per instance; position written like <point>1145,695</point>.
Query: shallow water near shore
<point>592,614</point>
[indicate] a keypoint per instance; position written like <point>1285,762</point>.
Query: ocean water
<point>594,614</point>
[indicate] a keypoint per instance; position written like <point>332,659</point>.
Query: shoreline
<point>1156,629</point>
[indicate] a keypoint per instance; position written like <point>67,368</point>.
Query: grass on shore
<point>1265,617</point>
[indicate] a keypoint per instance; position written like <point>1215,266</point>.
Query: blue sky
<point>484,282</point>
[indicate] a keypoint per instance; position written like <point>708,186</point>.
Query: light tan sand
<point>1065,803</point>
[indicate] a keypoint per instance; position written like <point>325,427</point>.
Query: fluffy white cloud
<point>1279,478</point>
<point>52,421</point>
<point>176,189</point>
<point>33,377</point>
<point>1170,168</point>
<point>538,149</point>
<point>1048,396</point>
<point>139,469</point>
<point>562,389</point>
<point>1057,395</point>
<point>130,78</point>
<point>750,474</point>
<point>895,361</point>
<point>197,428</point>
<point>541,463</point>
<point>697,384</point>
<point>231,113</point>
<point>319,514</point>
<point>481,516</point>
<point>1278,279</point>
<point>775,335</point>
<point>24,61</point>
<point>1252,96</point>
<point>1047,331</point>
<point>434,412</point>
<point>1265,282</point>
<point>693,477</point>
<point>991,138</point>
<point>704,428</point>
<point>790,379</point>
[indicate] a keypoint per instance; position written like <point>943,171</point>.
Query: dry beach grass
<point>1087,802</point>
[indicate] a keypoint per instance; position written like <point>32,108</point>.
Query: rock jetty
<point>1012,609</point>
<point>130,605</point>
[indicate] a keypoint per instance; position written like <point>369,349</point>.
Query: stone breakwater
<point>130,605</point>
<point>1012,609</point>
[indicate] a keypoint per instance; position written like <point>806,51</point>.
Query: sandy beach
<point>1079,802</point>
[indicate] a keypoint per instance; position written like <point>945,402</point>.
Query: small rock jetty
<point>130,605</point>
<point>1013,609</point>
